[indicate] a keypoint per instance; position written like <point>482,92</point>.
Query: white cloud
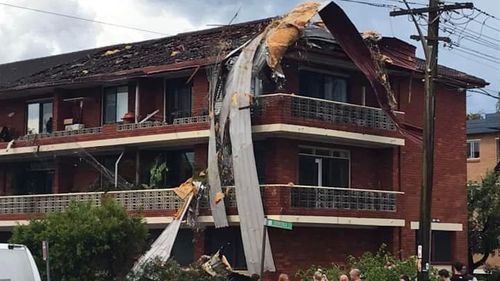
<point>27,34</point>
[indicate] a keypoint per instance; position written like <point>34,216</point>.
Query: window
<point>323,86</point>
<point>324,167</point>
<point>442,250</point>
<point>115,104</point>
<point>228,238</point>
<point>178,99</point>
<point>473,149</point>
<point>39,118</point>
<point>180,166</point>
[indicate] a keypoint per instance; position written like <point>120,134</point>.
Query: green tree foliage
<point>157,172</point>
<point>484,217</point>
<point>158,270</point>
<point>380,266</point>
<point>86,242</point>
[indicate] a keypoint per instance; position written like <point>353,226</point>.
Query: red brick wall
<point>17,123</point>
<point>303,247</point>
<point>200,93</point>
<point>449,193</point>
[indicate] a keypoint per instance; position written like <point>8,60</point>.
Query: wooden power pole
<point>430,44</point>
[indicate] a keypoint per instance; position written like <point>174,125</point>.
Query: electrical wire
<point>80,18</point>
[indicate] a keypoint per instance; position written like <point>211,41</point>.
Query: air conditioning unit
<point>74,127</point>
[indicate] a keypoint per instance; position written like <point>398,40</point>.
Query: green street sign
<point>279,224</point>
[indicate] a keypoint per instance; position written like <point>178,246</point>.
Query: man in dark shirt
<point>459,274</point>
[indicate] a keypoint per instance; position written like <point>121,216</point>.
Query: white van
<point>17,264</point>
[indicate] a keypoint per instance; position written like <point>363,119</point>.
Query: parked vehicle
<point>17,264</point>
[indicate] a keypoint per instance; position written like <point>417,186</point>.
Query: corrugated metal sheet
<point>218,209</point>
<point>162,246</point>
<point>250,207</point>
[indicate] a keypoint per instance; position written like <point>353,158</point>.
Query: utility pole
<point>430,44</point>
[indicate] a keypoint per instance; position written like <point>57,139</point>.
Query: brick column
<point>57,118</point>
<point>56,181</point>
<point>199,243</point>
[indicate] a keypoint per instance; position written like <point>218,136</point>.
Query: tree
<point>86,242</point>
<point>484,218</point>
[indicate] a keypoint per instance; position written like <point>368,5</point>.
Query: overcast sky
<point>26,34</point>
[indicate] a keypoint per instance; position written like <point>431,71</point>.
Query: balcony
<point>279,199</point>
<point>274,114</point>
<point>326,114</point>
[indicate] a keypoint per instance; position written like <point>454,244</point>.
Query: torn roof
<point>177,52</point>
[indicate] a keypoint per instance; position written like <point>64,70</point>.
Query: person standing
<point>283,277</point>
<point>458,274</point>
<point>355,274</point>
<point>343,277</point>
<point>319,276</point>
<point>444,275</point>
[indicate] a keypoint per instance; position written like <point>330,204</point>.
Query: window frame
<point>331,155</point>
<point>168,83</point>
<point>103,99</point>
<point>334,74</point>
<point>40,106</point>
<point>470,151</point>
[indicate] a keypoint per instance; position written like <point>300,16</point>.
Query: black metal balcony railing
<point>329,111</point>
<point>343,199</point>
<point>309,197</point>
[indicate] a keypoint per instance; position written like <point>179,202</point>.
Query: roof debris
<point>110,52</point>
<point>286,31</point>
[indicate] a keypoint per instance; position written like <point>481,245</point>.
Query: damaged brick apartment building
<point>329,157</point>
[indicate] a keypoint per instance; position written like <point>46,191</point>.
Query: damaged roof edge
<point>66,69</point>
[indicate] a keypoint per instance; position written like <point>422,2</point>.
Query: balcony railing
<point>308,197</point>
<point>302,107</point>
<point>157,124</point>
<point>315,197</point>
<point>56,134</point>
<point>132,200</point>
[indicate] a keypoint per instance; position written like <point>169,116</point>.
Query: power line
<point>80,18</point>
<point>485,93</point>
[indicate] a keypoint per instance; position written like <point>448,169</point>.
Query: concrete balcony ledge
<point>279,199</point>
<point>282,115</point>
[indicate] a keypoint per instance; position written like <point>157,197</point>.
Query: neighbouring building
<point>321,128</point>
<point>483,146</point>
<point>483,155</point>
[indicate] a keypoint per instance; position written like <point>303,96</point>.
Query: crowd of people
<point>459,273</point>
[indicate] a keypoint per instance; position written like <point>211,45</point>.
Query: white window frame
<point>103,102</point>
<point>344,154</point>
<point>471,141</point>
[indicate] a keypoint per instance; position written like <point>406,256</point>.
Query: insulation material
<point>217,205</point>
<point>185,189</point>
<point>162,246</point>
<point>250,207</point>
<point>286,32</point>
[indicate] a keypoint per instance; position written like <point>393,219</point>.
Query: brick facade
<point>389,168</point>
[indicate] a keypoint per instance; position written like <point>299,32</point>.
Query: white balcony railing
<point>56,134</point>
<point>297,106</point>
<point>157,124</point>
<point>309,197</point>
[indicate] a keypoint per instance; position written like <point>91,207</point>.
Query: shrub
<point>381,266</point>
<point>86,242</point>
